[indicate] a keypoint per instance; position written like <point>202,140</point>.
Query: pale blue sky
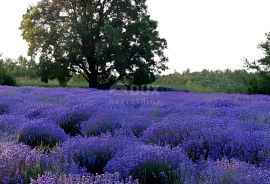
<point>211,34</point>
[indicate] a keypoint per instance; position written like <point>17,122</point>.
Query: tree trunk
<point>93,82</point>
<point>93,76</point>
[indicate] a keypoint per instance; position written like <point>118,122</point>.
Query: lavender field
<point>84,136</point>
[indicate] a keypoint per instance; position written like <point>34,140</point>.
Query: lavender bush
<point>151,164</point>
<point>41,135</point>
<point>89,153</point>
<point>18,163</point>
<point>101,123</point>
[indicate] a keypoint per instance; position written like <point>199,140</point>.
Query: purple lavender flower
<point>11,123</point>
<point>41,134</point>
<point>18,163</point>
<point>89,153</point>
<point>151,164</point>
<point>165,137</point>
<point>106,178</point>
<point>70,119</point>
<point>172,131</point>
<point>4,109</point>
<point>136,125</point>
<point>101,123</point>
<point>233,171</point>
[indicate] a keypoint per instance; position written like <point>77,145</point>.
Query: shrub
<point>38,110</point>
<point>19,163</point>
<point>259,84</point>
<point>70,120</point>
<point>11,124</point>
<point>136,125</point>
<point>172,131</point>
<point>7,80</point>
<point>196,149</point>
<point>41,135</point>
<point>235,172</point>
<point>4,109</point>
<point>251,147</point>
<point>151,164</point>
<point>103,123</point>
<point>89,153</point>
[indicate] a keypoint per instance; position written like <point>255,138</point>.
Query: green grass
<point>80,83</point>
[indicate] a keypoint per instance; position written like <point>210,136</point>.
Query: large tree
<point>103,40</point>
<point>260,81</point>
<point>262,65</point>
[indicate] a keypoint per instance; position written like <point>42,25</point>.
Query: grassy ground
<point>80,83</point>
<point>52,83</point>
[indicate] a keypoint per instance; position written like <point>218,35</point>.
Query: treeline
<point>23,68</point>
<point>10,69</point>
<point>44,72</point>
<point>228,81</point>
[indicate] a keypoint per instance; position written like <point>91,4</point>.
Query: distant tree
<point>23,62</point>
<point>103,40</point>
<point>22,66</point>
<point>5,79</point>
<point>32,69</point>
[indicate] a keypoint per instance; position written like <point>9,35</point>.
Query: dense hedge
<point>7,80</point>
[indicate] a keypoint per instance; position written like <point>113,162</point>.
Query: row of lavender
<point>89,136</point>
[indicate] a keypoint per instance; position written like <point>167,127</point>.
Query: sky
<point>208,34</point>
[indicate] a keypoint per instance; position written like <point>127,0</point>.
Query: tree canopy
<point>262,65</point>
<point>260,82</point>
<point>103,40</point>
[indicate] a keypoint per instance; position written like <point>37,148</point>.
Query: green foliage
<point>143,76</point>
<point>32,172</point>
<point>208,81</point>
<point>61,72</point>
<point>44,142</point>
<point>21,67</point>
<point>45,67</point>
<point>7,80</point>
<point>25,68</point>
<point>75,82</point>
<point>155,173</point>
<point>239,81</point>
<point>259,83</point>
<point>104,41</point>
<point>71,126</point>
<point>58,70</point>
